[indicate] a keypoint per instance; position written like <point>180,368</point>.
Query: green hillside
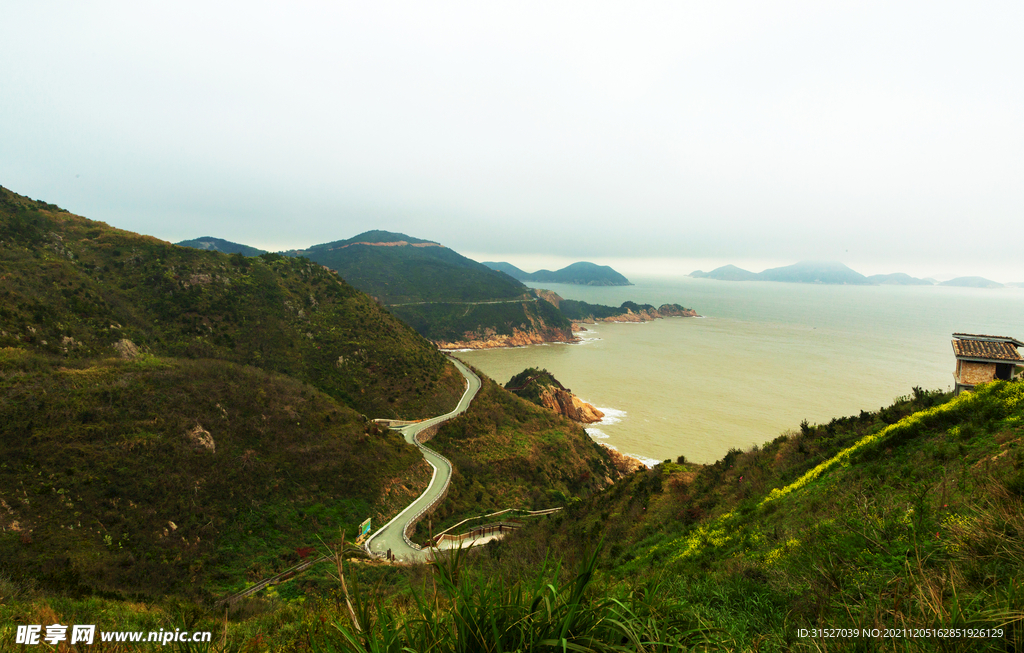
<point>158,476</point>
<point>894,530</point>
<point>415,271</point>
<point>453,322</point>
<point>510,453</point>
<point>76,288</point>
<point>905,518</point>
<point>529,383</point>
<point>444,296</point>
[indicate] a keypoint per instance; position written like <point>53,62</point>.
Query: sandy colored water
<point>764,357</point>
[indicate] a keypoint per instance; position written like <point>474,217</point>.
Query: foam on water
<point>596,434</point>
<point>648,462</point>
<point>611,415</point>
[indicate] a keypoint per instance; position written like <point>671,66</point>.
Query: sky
<point>659,135</point>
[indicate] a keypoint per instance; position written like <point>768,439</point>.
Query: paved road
<point>392,535</point>
<point>489,301</point>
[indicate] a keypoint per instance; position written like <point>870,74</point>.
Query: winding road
<point>392,535</point>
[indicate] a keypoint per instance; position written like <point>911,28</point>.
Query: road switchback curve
<point>392,535</point>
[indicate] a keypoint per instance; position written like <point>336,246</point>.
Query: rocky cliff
<point>566,403</point>
<point>543,389</point>
<point>626,464</point>
<point>489,339</point>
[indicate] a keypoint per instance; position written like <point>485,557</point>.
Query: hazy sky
<point>888,135</point>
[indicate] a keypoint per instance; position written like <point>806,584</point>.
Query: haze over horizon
<point>668,136</point>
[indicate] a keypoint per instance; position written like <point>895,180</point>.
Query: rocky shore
<point>518,338</point>
<point>625,464</point>
<point>644,315</point>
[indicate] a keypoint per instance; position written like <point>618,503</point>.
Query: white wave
<point>650,462</point>
<point>455,351</point>
<point>611,415</point>
<point>596,434</point>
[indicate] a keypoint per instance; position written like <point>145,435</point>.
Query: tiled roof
<point>986,349</point>
<point>979,336</point>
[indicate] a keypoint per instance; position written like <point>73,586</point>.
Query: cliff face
<point>624,463</point>
<point>566,403</point>
<point>548,295</point>
<point>539,322</point>
<point>543,389</point>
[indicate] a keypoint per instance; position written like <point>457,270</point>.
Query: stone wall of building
<point>974,373</point>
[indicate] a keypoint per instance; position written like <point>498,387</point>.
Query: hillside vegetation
<point>907,520</point>
<point>76,288</point>
<point>584,312</point>
<point>446,297</point>
<point>415,271</point>
<point>510,453</point>
<point>452,324</point>
<point>162,476</point>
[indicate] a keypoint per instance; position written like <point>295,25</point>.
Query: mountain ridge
<point>581,273</point>
<point>834,273</point>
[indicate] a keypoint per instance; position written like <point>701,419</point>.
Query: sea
<point>763,357</point>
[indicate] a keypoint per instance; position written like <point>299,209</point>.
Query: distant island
<point>581,273</point>
<point>972,282</point>
<point>833,272</point>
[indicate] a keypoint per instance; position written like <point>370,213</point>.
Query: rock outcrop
<point>201,439</point>
<point>582,312</point>
<point>648,314</point>
<point>543,389</point>
<point>549,295</point>
<point>518,338</point>
<point>127,349</point>
<point>625,464</point>
<point>566,403</point>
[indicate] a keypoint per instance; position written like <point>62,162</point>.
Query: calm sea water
<point>764,357</point>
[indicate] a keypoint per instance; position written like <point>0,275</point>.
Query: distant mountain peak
<point>378,238</point>
<point>582,273</point>
<point>213,244</point>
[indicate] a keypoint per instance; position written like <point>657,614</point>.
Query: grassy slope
<point>73,287</point>
<point>510,453</point>
<point>910,517</point>
<point>97,463</point>
<point>397,275</point>
<point>431,288</point>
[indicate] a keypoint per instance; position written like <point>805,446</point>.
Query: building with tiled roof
<point>982,358</point>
